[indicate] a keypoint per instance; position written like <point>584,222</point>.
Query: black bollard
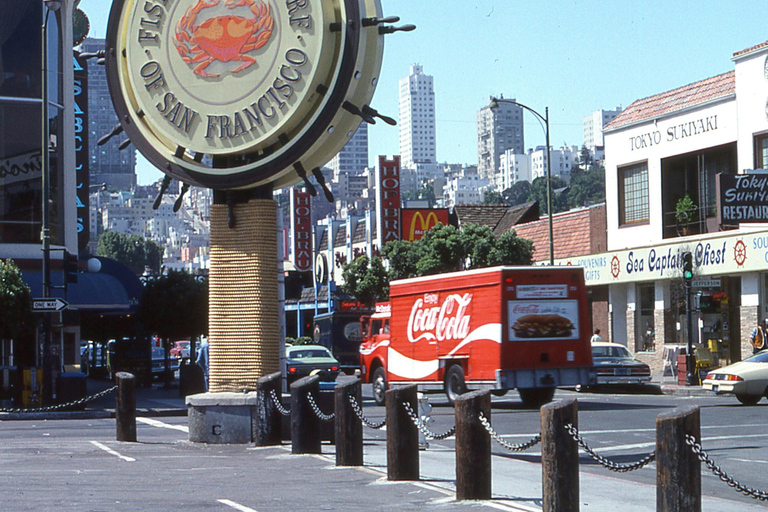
<point>266,420</point>
<point>349,427</point>
<point>125,407</point>
<point>473,446</point>
<point>559,457</point>
<point>306,436</point>
<point>402,434</point>
<point>678,469</point>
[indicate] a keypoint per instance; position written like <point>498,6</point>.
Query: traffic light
<point>687,266</point>
<point>70,267</point>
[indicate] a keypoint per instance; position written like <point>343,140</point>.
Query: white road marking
<point>112,452</point>
<point>160,424</point>
<point>236,506</point>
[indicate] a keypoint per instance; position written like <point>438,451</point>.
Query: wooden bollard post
<point>306,436</point>
<point>349,427</point>
<point>473,446</point>
<point>266,420</point>
<point>678,469</point>
<point>125,407</point>
<point>402,434</point>
<point>559,457</point>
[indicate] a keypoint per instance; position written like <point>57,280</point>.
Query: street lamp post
<point>545,118</point>
<point>45,235</point>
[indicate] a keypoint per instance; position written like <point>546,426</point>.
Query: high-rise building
<point>498,129</point>
<point>417,119</point>
<point>108,165</point>
<point>593,130</point>
<point>353,157</point>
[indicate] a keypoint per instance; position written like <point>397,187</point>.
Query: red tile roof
<point>750,49</point>
<point>574,232</point>
<point>681,98</point>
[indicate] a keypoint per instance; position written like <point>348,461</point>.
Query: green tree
<point>15,302</point>
<point>518,193</point>
<point>493,197</point>
<point>587,181</point>
<point>133,251</point>
<point>539,193</point>
<point>174,305</point>
<point>425,193</point>
<point>366,280</point>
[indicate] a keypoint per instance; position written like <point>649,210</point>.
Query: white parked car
<point>747,379</point>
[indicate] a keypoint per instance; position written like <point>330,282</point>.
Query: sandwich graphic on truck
<point>500,328</point>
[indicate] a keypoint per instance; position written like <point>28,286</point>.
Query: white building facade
<point>417,119</point>
<point>594,124</point>
<point>659,150</point>
<point>499,129</point>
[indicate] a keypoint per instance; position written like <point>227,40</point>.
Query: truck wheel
<point>499,392</point>
<point>533,398</point>
<point>454,382</point>
<point>379,383</point>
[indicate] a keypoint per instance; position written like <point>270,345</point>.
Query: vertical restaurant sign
<point>301,211</point>
<point>416,222</point>
<point>81,152</point>
<point>388,200</point>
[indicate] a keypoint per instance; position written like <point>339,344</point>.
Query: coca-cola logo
<point>530,309</point>
<point>448,321</point>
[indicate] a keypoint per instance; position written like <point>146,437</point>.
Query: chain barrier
<point>509,446</point>
<point>606,463</point>
<point>318,412</point>
<point>423,428</point>
<point>359,411</point>
<point>722,475</point>
<point>278,405</point>
<point>60,407</point>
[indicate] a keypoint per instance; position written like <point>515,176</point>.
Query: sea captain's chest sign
<point>232,93</point>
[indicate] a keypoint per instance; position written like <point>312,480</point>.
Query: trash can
<point>71,387</point>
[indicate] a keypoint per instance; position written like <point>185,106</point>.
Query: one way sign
<point>43,305</point>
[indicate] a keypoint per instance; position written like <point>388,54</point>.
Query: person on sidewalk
<point>202,360</point>
<point>596,338</point>
<point>757,337</point>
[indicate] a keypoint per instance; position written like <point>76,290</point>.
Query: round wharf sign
<point>240,93</point>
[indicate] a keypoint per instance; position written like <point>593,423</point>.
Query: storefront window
<point>20,136</point>
<point>633,194</point>
<point>645,327</point>
<point>761,151</point>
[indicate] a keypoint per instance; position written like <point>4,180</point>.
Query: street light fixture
<point>494,104</point>
<point>48,363</point>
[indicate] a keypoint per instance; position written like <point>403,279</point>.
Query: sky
<point>574,57</point>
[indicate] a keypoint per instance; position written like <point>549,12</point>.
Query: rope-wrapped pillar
<point>243,302</point>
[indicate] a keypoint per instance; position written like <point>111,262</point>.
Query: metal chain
<point>59,407</point>
<point>496,437</point>
<point>318,412</point>
<point>279,406</point>
<point>423,428</point>
<point>722,475</point>
<point>606,463</point>
<point>359,412</point>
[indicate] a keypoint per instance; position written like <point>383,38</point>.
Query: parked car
<point>304,360</point>
<point>158,362</point>
<point>747,379</point>
<point>614,364</point>
<point>180,349</point>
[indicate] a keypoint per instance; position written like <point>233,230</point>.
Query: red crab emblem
<point>223,38</point>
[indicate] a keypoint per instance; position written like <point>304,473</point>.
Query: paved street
<point>76,464</point>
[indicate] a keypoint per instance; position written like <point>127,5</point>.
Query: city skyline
<point>573,58</point>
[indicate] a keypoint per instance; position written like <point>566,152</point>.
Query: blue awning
<point>93,290</point>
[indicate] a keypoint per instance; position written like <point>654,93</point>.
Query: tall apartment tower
<point>353,157</point>
<point>499,129</point>
<point>108,165</point>
<point>417,119</point>
<point>593,128</point>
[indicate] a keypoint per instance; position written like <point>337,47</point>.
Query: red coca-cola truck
<point>501,328</point>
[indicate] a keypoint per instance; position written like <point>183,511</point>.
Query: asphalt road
<point>77,465</point>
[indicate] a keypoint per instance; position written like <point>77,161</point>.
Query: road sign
<point>706,283</point>
<point>43,305</point>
